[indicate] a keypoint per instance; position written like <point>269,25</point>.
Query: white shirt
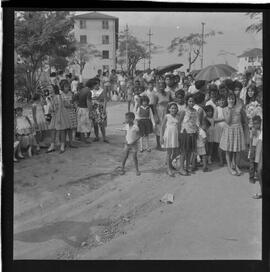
<point>132,133</point>
<point>192,89</point>
<point>74,86</point>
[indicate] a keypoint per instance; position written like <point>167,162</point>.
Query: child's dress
<point>211,131</point>
<point>24,132</point>
<point>188,133</point>
<point>145,119</point>
<point>161,107</point>
<point>60,117</point>
<point>220,125</point>
<point>67,100</point>
<point>232,138</point>
<point>171,134</point>
<point>40,117</point>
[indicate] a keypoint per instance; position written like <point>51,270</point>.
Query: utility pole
<point>126,30</point>
<point>202,44</point>
<point>149,46</point>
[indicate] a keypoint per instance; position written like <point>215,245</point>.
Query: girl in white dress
<point>170,135</point>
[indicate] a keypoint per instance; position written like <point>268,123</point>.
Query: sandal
<point>233,172</point>
<point>138,173</point>
<point>15,160</point>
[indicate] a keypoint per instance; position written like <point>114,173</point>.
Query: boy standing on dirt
<point>132,137</point>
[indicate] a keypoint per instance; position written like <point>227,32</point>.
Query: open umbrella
<point>215,71</point>
<point>168,68</point>
<point>194,72</point>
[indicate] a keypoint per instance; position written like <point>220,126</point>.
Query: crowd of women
<point>196,122</point>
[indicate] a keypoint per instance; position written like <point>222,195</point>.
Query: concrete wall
<point>244,64</point>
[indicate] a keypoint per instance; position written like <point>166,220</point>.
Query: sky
<point>167,25</point>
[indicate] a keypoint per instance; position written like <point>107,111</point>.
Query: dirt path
<point>77,206</point>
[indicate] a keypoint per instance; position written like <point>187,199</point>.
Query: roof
<point>255,52</point>
<point>95,15</point>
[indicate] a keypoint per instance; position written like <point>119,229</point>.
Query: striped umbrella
<point>213,72</point>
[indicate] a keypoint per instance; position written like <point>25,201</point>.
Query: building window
<point>105,54</point>
<point>105,39</point>
<point>82,24</point>
<point>105,24</point>
<point>83,39</point>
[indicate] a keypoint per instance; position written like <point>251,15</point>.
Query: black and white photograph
<point>137,135</point>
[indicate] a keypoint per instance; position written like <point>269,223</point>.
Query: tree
<point>190,44</point>
<point>137,51</point>
<point>82,54</point>
<point>256,26</point>
<point>38,35</point>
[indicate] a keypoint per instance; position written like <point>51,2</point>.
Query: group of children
<point>193,121</point>
<point>210,124</point>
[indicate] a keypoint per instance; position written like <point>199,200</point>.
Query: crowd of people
<point>196,122</point>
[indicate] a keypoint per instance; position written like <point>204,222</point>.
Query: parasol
<point>168,68</point>
<point>214,72</point>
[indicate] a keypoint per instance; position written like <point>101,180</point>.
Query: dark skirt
<point>187,142</point>
<point>145,127</point>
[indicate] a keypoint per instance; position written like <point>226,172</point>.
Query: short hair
<point>221,97</point>
<point>145,98</point>
<point>130,115</point>
<point>199,97</point>
<point>209,108</point>
<point>53,74</point>
<point>92,82</point>
<point>169,76</point>
<point>213,88</point>
<point>150,82</point>
<point>36,97</point>
<point>238,84</point>
<point>180,92</point>
<point>257,118</point>
<point>19,108</point>
<point>60,72</point>
<point>199,84</point>
<point>229,84</point>
<point>188,96</point>
<point>63,83</point>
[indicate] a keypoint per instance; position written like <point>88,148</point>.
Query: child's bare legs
<point>158,142</point>
<point>237,162</point>
<point>210,148</point>
<point>126,153</point>
<point>192,161</point>
<point>147,143</point>
<point>141,144</point>
<point>204,161</point>
<point>135,159</point>
<point>229,164</point>
<point>103,132</point>
<point>220,155</point>
<point>69,132</point>
<point>52,145</point>
<point>182,171</point>
<point>62,140</point>
<point>169,162</point>
<point>16,144</point>
<point>38,139</point>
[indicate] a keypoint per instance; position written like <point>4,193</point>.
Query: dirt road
<point>77,206</point>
